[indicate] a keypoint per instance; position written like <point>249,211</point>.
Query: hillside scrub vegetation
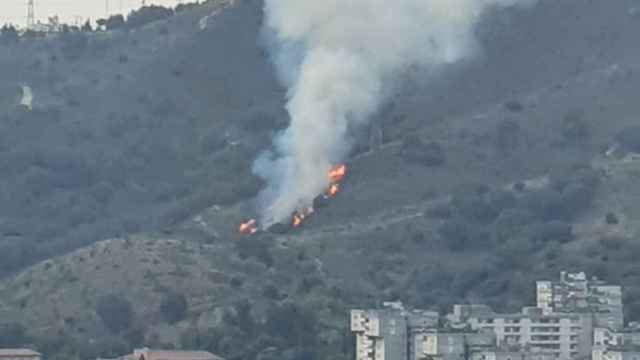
<point>123,184</point>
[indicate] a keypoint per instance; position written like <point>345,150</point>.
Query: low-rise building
<point>574,318</point>
<point>148,354</point>
<point>450,344</point>
<point>19,354</point>
<point>621,344</point>
<point>575,293</point>
<point>385,334</point>
<point>565,336</point>
<point>618,353</point>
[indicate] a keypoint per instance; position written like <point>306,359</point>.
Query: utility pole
<point>31,14</point>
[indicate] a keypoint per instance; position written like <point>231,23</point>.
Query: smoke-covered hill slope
<point>154,135</point>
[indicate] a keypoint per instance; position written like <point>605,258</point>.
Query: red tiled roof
<point>18,353</point>
<point>174,355</point>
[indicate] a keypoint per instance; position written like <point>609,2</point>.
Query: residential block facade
<point>574,318</point>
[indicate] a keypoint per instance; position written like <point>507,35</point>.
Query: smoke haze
<point>340,60</point>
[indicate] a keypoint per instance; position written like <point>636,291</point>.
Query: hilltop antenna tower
<point>31,14</point>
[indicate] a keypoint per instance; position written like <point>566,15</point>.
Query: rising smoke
<point>340,60</point>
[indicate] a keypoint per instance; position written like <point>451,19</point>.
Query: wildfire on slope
<point>332,191</point>
<point>336,174</point>
<point>300,216</point>
<point>248,227</point>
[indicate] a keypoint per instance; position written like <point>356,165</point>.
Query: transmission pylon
<point>31,14</point>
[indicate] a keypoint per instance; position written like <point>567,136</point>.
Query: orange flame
<point>297,220</point>
<point>337,173</point>
<point>249,227</point>
<point>300,216</point>
<point>333,190</point>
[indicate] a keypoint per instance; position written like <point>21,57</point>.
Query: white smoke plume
<point>340,60</point>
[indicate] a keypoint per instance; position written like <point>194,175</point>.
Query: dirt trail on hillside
<point>364,225</point>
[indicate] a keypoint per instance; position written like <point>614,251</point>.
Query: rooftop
<point>147,354</point>
<point>18,353</point>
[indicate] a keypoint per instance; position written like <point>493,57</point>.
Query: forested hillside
<point>123,184</point>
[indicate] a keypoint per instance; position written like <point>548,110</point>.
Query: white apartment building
<point>574,292</point>
<point>574,318</point>
<point>558,334</point>
<point>616,344</point>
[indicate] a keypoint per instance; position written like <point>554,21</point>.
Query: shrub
<point>294,325</point>
<point>257,247</point>
<point>236,282</point>
<point>611,218</point>
<point>514,106</point>
<point>574,127</point>
<point>116,312</point>
<point>87,27</point>
<point>474,208</point>
<point>545,204</point>
<point>146,15</point>
<point>612,243</point>
<point>9,35</point>
<point>114,22</point>
<point>455,233</point>
<point>243,318</point>
<point>279,228</point>
<point>511,223</point>
<point>629,138</point>
<point>173,307</point>
<point>501,200</point>
<point>441,211</point>
<point>184,7</point>
<point>414,150</point>
<point>259,121</point>
<point>13,335</point>
<point>508,136</point>
<point>270,291</point>
<point>551,231</point>
<point>74,44</point>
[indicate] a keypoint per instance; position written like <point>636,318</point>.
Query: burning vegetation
<point>298,218</point>
<point>248,227</point>
<point>336,174</point>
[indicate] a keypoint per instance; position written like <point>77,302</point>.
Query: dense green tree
<point>147,14</point>
<point>116,312</point>
<point>629,138</point>
<point>13,335</point>
<point>114,22</point>
<point>86,27</point>
<point>293,324</point>
<point>574,127</point>
<point>508,136</point>
<point>173,307</point>
<point>9,34</point>
<point>414,150</point>
<point>455,234</point>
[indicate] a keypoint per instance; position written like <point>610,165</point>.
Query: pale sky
<point>15,11</point>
